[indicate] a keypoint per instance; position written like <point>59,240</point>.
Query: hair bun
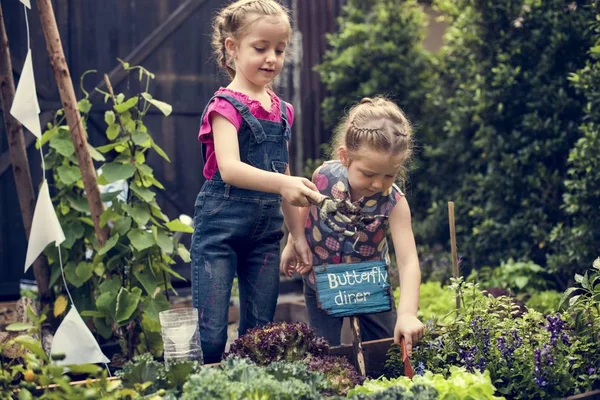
<point>366,100</point>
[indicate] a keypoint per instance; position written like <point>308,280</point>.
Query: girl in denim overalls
<point>238,213</point>
<point>373,143</point>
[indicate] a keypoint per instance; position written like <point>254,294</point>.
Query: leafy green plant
<point>121,284</point>
<point>242,379</point>
<point>517,277</point>
<point>527,355</point>
<point>147,376</point>
<point>35,375</point>
<point>281,341</point>
<point>584,303</point>
<point>545,302</point>
<point>460,384</point>
<point>435,302</point>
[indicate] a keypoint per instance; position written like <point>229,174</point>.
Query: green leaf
<point>18,326</point>
<point>90,313</point>
<point>103,328</point>
<point>120,108</point>
<point>147,279</point>
<point>115,171</point>
<point>127,303</point>
<point>95,154</point>
<point>71,275</point>
<point>108,147</point>
<point>78,203</point>
<point>73,231</point>
<point>84,106</point>
<point>84,271</point>
<point>155,182</point>
<point>164,241</point>
<point>63,146</point>
<point>110,243</point>
<point>113,131</point>
<point>109,117</point>
<point>143,193</point>
<point>156,212</point>
<point>46,136</point>
<point>160,151</point>
<point>110,285</point>
<point>107,303</point>
<point>68,174</point>
<point>140,158</point>
<point>168,269</point>
<point>183,253</point>
<point>141,139</point>
<point>139,212</point>
<point>33,345</point>
<point>165,108</point>
<point>140,239</point>
<point>177,226</point>
<point>153,306</point>
<point>110,196</point>
<point>122,225</point>
<point>521,281</point>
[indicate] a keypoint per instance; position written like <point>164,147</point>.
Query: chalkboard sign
<point>350,289</point>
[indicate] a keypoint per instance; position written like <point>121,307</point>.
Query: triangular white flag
<point>27,3</point>
<point>76,342</point>
<point>25,107</point>
<point>45,228</point>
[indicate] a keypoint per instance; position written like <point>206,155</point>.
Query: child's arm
<point>295,190</point>
<point>295,219</point>
<point>407,323</point>
<point>297,248</point>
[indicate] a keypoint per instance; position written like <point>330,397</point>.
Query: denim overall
<point>239,231</point>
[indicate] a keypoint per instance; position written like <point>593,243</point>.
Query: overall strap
<point>257,130</point>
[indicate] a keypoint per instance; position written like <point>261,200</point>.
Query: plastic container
<point>180,335</point>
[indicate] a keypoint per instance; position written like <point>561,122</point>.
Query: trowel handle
<point>408,371</point>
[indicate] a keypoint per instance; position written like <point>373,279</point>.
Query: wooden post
<point>69,102</point>
<point>359,357</point>
<point>451,222</point>
<point>18,159</point>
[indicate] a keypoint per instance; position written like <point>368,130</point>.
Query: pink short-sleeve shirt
<point>226,109</point>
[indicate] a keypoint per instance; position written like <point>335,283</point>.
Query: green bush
<point>378,50</point>
<point>545,302</point>
<point>511,117</point>
<point>575,242</point>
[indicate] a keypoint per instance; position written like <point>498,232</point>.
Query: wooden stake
<point>19,160</point>
<point>69,102</point>
<point>451,222</point>
<point>359,357</point>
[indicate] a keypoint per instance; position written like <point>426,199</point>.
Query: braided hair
<point>235,20</point>
<point>377,123</point>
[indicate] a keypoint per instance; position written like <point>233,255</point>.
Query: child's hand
<point>289,259</point>
<point>299,191</point>
<point>411,328</point>
<point>303,254</point>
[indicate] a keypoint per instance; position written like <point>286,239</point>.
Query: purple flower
<point>420,369</point>
<point>555,326</point>
<point>543,358</point>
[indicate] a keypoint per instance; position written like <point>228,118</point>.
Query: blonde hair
<point>235,20</point>
<point>377,123</point>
